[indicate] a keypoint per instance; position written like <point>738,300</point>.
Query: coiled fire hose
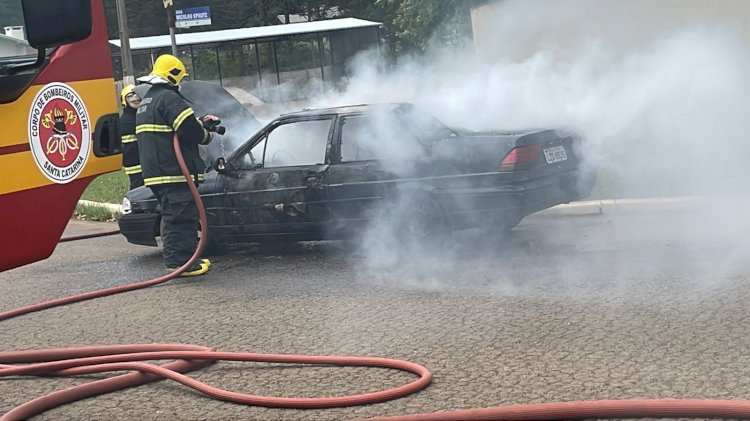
<point>98,359</point>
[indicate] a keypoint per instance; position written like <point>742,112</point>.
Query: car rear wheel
<point>413,222</point>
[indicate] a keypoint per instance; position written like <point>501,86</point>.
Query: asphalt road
<point>637,300</point>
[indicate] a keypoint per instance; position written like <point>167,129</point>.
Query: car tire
<point>416,222</point>
<point>498,229</point>
<point>580,187</point>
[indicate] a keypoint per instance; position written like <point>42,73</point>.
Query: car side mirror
<point>220,165</point>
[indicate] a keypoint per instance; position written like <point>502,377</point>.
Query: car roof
<point>349,109</point>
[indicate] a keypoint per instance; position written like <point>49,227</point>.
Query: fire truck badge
<point>59,132</point>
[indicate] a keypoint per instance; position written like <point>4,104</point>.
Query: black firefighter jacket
<point>162,113</point>
<point>130,158</point>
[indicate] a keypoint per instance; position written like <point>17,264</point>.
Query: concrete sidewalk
<point>76,227</point>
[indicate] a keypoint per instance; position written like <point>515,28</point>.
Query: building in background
<point>13,43</point>
<point>273,63</point>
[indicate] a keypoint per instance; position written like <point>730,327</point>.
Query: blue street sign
<point>192,16</point>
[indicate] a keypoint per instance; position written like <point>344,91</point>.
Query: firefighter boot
<point>196,269</point>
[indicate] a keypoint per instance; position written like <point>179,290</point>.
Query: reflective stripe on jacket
<point>135,169</point>
<point>130,160</point>
<point>152,181</point>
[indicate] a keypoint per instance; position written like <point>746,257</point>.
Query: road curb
<point>604,205</point>
<point>583,206</point>
<point>114,208</point>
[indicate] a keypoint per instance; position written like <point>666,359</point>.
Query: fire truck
<point>59,120</point>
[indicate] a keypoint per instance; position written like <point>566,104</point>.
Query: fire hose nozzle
<point>214,126</point>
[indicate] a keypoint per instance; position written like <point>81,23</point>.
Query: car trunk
<point>539,152</point>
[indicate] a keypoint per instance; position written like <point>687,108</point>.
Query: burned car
<point>330,173</point>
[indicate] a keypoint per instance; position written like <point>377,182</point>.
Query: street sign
<point>192,16</point>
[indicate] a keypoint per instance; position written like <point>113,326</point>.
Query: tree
<point>409,25</point>
<point>11,13</point>
<point>418,22</point>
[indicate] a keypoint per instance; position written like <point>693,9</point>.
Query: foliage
<point>410,25</point>
<point>418,22</point>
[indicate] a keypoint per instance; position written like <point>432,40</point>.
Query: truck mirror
<point>50,23</point>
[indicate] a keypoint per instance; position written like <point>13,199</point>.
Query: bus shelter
<point>274,63</point>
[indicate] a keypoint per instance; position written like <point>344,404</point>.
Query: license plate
<point>555,154</point>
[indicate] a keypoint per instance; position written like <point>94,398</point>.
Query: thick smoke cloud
<point>658,87</point>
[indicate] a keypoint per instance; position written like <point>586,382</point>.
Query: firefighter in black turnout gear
<point>130,160</point>
<point>163,112</point>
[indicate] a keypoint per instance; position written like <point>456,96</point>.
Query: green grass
<point>107,188</point>
<point>94,213</point>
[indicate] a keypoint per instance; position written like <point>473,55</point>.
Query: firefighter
<point>130,161</point>
<point>163,112</point>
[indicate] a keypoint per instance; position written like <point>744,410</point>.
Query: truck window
<point>13,43</point>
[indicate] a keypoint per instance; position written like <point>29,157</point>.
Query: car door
<point>357,180</point>
<point>278,187</point>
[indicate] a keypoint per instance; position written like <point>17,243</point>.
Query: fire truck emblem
<point>59,132</point>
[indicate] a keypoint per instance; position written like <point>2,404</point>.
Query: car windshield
<point>13,43</point>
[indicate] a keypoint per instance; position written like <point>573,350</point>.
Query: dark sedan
<point>331,173</point>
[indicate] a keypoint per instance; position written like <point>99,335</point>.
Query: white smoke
<point>658,87</point>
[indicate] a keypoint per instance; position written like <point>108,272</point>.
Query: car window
<point>297,143</point>
<point>378,135</point>
<point>254,156</point>
<point>357,139</point>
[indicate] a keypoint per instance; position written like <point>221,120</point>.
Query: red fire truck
<point>59,114</point>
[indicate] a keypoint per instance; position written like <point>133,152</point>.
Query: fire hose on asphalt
<point>98,359</point>
<point>87,236</point>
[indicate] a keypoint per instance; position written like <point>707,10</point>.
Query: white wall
<point>10,47</point>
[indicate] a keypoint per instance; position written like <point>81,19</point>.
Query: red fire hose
<point>87,236</point>
<point>97,359</point>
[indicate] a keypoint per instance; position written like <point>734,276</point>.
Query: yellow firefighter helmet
<point>170,68</point>
<point>125,91</point>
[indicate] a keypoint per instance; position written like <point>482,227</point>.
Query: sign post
<point>125,57</point>
<point>169,7</point>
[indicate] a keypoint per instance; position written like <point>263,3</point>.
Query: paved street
<point>628,300</point>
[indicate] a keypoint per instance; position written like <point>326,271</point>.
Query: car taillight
<point>519,156</point>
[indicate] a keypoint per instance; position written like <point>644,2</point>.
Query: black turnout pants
<point>179,222</point>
